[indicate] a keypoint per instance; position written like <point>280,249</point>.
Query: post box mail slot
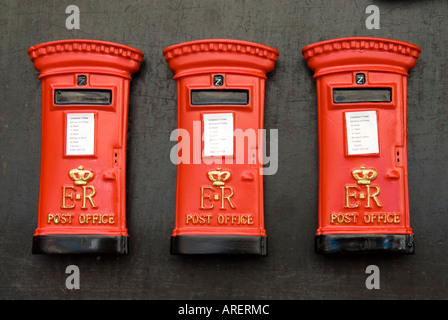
<point>363,179</point>
<point>85,90</point>
<point>219,198</point>
<point>219,97</point>
<point>83,96</point>
<point>362,95</point>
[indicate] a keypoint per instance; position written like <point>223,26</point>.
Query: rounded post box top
<point>361,52</point>
<point>59,56</point>
<point>215,55</point>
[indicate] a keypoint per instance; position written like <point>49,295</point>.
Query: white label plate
<point>218,134</point>
<point>80,134</point>
<point>362,132</point>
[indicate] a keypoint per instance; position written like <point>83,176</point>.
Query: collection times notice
<point>362,132</point>
<point>80,134</point>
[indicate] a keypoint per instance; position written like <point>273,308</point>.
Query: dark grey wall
<point>291,270</point>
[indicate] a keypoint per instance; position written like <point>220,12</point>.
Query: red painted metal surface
<point>219,206</point>
<point>363,178</point>
<point>85,92</point>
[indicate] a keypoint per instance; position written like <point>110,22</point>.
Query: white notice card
<point>80,134</point>
<point>362,132</point>
<point>218,134</point>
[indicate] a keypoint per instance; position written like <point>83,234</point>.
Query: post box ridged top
<point>56,56</point>
<point>392,55</point>
<point>207,55</point>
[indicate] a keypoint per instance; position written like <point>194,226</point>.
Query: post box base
<point>219,244</point>
<point>365,243</point>
<point>80,244</point>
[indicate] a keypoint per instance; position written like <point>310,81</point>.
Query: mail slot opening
<point>219,97</point>
<point>356,95</point>
<point>82,96</point>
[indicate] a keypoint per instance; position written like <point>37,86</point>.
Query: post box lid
<point>56,56</point>
<point>226,54</point>
<point>331,55</point>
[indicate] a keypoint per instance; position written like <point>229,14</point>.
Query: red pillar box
<point>85,92</point>
<point>363,179</point>
<point>220,94</point>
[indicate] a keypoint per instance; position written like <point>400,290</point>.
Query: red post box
<point>363,179</point>
<point>220,94</point>
<point>85,92</point>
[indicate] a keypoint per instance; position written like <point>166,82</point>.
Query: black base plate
<point>365,243</point>
<point>219,244</point>
<point>80,244</point>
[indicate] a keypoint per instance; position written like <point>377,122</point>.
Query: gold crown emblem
<point>364,175</point>
<point>218,177</point>
<point>80,176</point>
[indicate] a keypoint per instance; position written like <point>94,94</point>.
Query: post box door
<point>228,191</point>
<point>366,128</point>
<point>83,164</point>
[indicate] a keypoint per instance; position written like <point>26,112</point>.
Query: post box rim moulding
<point>52,57</point>
<point>386,54</point>
<point>255,58</point>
